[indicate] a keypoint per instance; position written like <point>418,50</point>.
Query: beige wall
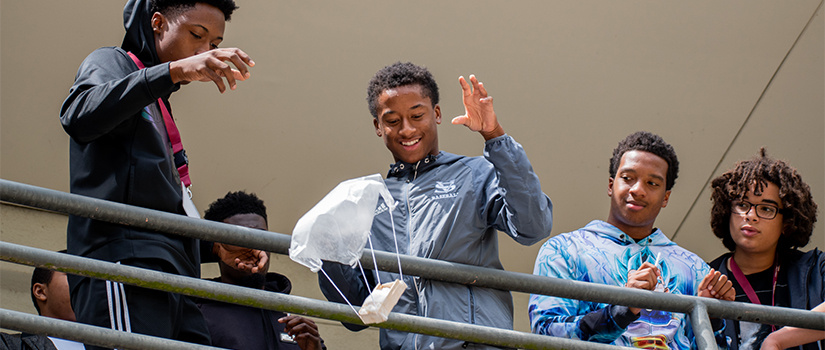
<point>570,79</point>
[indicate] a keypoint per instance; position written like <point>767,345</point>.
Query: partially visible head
<point>401,74</point>
<point>50,294</point>
<point>403,99</point>
<point>186,28</point>
<point>235,203</point>
<point>171,8</point>
<point>641,173</point>
<point>648,142</point>
<point>752,177</point>
<point>242,209</point>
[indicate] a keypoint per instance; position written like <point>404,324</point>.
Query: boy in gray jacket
<point>449,207</point>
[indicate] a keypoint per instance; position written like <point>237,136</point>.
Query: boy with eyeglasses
<point>763,212</point>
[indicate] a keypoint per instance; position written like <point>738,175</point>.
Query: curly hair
<point>235,203</point>
<point>648,142</point>
<point>176,7</point>
<point>799,213</point>
<point>400,74</point>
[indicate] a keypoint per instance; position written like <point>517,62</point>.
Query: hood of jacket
<point>657,238</point>
<point>139,38</point>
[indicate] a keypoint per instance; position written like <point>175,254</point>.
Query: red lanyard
<point>181,162</point>
<point>746,285</point>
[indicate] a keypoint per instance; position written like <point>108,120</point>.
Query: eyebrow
<point>420,105</point>
<point>770,201</point>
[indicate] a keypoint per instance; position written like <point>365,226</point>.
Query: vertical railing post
<point>702,329</point>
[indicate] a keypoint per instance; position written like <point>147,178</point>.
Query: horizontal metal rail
<point>268,300</point>
<point>90,334</point>
<point>72,204</point>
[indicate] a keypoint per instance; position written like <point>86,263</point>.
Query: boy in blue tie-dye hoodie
<point>623,251</point>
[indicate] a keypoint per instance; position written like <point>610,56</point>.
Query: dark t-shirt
<point>752,334</point>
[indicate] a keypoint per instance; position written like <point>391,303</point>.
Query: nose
<point>203,48</point>
<point>637,190</point>
<point>407,129</point>
<point>751,214</point>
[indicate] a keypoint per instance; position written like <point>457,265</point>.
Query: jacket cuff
<point>622,315</point>
<point>159,80</point>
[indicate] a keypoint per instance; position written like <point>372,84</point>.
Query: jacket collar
<point>410,171</point>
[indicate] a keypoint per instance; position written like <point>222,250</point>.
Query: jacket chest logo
<point>444,189</point>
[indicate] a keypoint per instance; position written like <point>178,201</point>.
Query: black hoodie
<point>119,149</point>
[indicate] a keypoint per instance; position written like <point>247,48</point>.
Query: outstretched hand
<point>242,259</point>
<point>478,110</point>
<point>213,66</point>
<point>716,285</point>
<point>303,331</point>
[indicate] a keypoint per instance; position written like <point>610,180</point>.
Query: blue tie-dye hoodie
<point>601,253</point>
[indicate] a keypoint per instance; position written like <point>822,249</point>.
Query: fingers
<point>296,325</point>
<point>646,277</point>
<point>214,65</point>
<point>718,286</point>
<point>462,119</point>
<point>466,89</point>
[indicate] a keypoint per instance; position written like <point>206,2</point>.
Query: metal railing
<point>698,308</point>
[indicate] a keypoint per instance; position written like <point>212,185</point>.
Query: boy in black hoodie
<point>125,148</point>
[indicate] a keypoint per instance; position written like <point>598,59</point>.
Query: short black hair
<point>648,142</point>
<point>175,7</point>
<point>235,203</point>
<point>42,276</point>
<point>400,74</point>
<point>799,208</point>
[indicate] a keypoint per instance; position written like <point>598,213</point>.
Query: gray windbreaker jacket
<point>449,208</point>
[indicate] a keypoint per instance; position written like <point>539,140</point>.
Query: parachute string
<point>339,291</point>
<point>364,274</point>
<point>375,263</point>
<point>397,253</point>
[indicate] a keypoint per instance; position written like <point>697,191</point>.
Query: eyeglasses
<point>764,211</point>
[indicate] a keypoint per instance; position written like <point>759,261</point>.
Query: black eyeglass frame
<point>776,210</point>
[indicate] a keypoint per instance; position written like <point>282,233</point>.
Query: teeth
<point>410,143</point>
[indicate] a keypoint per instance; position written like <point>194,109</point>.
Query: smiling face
<point>192,31</point>
<point>407,121</point>
<point>637,193</point>
<point>753,234</point>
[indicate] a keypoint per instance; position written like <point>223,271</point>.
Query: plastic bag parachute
<point>337,229</point>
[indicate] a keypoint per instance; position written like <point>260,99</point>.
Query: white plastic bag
<point>336,229</point>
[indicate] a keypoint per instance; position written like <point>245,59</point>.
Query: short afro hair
<point>799,208</point>
<point>235,203</point>
<point>176,7</point>
<point>648,142</point>
<point>400,74</point>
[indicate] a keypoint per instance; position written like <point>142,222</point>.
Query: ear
<point>39,292</point>
<point>377,127</point>
<point>158,22</point>
<point>437,110</point>
<point>667,198</point>
<point>610,187</point>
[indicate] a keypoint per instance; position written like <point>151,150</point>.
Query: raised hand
<point>213,66</point>
<point>243,259</point>
<point>303,331</point>
<point>716,285</point>
<point>478,109</point>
